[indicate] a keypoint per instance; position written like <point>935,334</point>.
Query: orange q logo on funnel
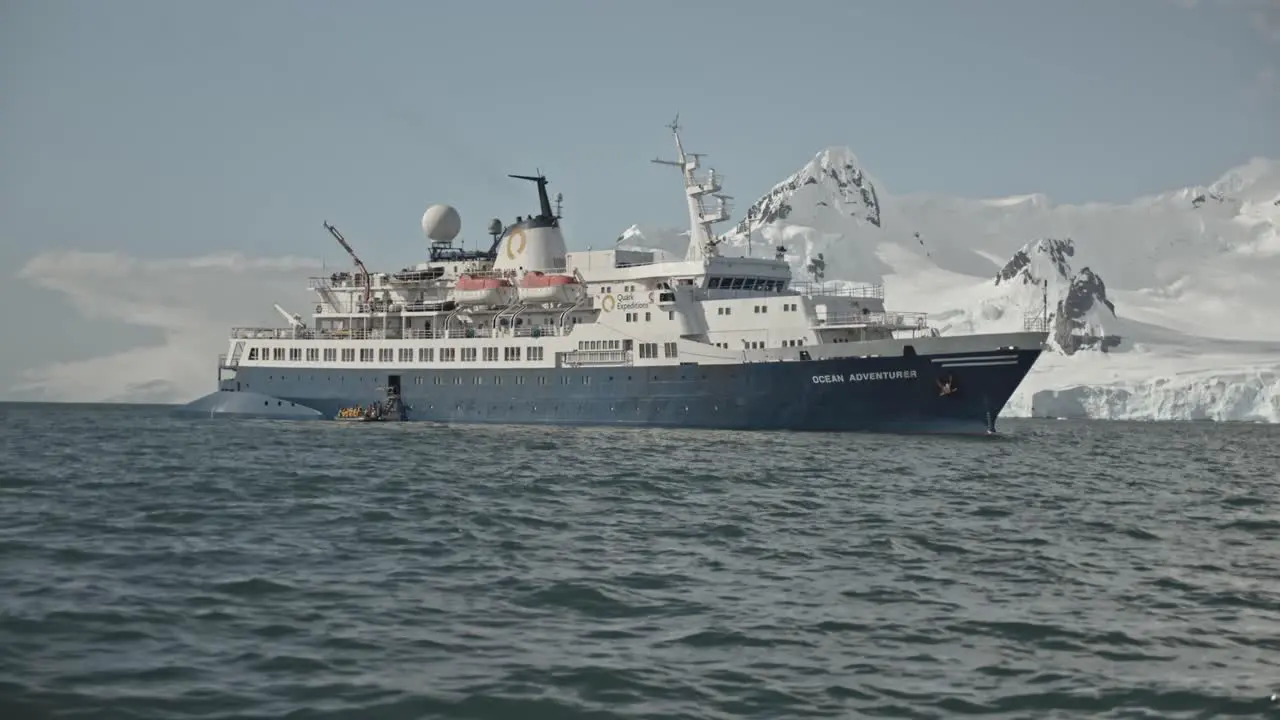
<point>515,244</point>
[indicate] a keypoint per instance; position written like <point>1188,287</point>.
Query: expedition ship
<point>528,332</point>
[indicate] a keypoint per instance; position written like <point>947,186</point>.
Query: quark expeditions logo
<point>626,301</point>
<point>515,244</point>
<point>865,377</point>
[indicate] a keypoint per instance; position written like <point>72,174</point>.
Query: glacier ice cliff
<point>1237,396</point>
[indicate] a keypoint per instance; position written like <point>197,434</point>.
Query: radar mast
<point>702,241</point>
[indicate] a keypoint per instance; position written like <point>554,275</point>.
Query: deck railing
<point>1035,323</point>
<point>875,292</point>
<point>892,320</point>
<point>579,358</point>
<point>268,333</point>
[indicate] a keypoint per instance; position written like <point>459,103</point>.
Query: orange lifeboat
<point>473,290</point>
<point>540,287</point>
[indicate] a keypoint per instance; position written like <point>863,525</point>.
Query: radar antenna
<point>364,272</point>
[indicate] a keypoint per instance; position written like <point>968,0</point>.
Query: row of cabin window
<point>606,289</point>
<point>760,345</point>
<point>759,309</point>
<point>533,353</point>
<point>646,350</point>
<point>731,283</point>
<point>650,350</point>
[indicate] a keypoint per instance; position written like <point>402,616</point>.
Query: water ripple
<point>162,569</point>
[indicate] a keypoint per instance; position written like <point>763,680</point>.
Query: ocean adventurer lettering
<point>862,377</point>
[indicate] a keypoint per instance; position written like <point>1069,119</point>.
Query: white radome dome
<point>441,222</point>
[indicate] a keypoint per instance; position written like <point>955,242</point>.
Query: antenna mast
<point>1044,299</point>
<point>364,272</point>
<point>544,202</point>
<point>702,242</point>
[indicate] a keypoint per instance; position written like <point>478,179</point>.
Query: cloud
<point>191,302</point>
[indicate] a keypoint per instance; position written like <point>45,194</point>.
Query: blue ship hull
<point>952,393</point>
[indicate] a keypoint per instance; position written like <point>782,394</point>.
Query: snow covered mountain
<point>1182,328</point>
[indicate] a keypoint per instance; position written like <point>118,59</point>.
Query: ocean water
<point>160,568</point>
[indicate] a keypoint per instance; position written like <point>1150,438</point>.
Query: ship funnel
<point>533,243</point>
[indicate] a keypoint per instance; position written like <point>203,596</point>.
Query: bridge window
<point>253,353</point>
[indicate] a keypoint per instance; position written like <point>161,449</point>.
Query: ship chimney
<point>533,243</point>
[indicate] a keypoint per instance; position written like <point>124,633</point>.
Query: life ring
<point>512,250</point>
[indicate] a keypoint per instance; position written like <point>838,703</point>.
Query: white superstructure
<point>529,302</point>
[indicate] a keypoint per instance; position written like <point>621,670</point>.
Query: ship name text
<point>864,377</point>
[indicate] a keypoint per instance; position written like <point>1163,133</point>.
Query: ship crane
<point>364,272</point>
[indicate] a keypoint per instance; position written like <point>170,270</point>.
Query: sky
<point>156,158</point>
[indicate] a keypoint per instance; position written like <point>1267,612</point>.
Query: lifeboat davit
<point>539,287</point>
<point>472,290</point>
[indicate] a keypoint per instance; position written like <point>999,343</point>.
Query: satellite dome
<point>441,222</point>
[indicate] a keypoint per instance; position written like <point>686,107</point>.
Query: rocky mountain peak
<point>832,180</point>
<point>1082,313</point>
<point>1080,320</point>
<point>1038,261</point>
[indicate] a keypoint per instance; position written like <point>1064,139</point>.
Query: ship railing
<point>414,276</point>
<point>340,280</point>
<point>263,333</point>
<point>893,320</point>
<point>1035,323</point>
<point>641,264</point>
<point>833,289</point>
<point>580,358</point>
<point>267,333</point>
<point>536,331</point>
<point>272,333</point>
<point>513,275</point>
